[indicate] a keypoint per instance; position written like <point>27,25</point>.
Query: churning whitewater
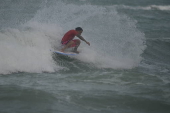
<point>115,41</point>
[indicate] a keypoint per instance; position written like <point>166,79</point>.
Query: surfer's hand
<point>88,43</point>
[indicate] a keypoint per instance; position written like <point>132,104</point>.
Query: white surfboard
<point>65,53</point>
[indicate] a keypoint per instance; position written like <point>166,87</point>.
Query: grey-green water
<point>125,70</point>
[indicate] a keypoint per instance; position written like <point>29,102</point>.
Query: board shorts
<point>73,45</point>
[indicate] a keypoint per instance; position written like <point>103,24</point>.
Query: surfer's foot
<point>61,50</point>
<point>76,52</point>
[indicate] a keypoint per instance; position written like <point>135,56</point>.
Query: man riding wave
<point>69,41</point>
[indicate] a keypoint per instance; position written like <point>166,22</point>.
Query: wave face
<point>115,40</point>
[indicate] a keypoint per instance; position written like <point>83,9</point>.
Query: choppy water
<point>125,70</point>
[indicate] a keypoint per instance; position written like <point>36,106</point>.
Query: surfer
<point>69,41</point>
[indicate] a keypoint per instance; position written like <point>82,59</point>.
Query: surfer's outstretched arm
<point>79,36</point>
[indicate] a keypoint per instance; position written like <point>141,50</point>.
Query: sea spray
<point>25,51</point>
<point>115,40</point>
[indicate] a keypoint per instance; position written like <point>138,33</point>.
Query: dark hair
<point>78,29</point>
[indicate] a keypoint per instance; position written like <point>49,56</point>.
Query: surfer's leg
<point>77,43</point>
<point>67,46</point>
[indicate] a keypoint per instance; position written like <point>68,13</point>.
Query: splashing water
<point>115,40</point>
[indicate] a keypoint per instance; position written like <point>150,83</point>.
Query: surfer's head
<point>79,30</point>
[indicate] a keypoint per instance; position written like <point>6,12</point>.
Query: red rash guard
<point>69,36</point>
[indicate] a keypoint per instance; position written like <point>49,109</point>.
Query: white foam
<point>150,7</point>
<point>25,51</point>
<point>159,7</point>
<point>115,40</point>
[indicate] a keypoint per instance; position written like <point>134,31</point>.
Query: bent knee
<point>71,42</point>
<point>77,41</point>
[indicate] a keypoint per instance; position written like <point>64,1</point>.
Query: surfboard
<point>66,53</point>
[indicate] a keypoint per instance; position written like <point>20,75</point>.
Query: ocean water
<point>126,69</point>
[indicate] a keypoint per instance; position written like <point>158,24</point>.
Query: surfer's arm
<point>79,36</point>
